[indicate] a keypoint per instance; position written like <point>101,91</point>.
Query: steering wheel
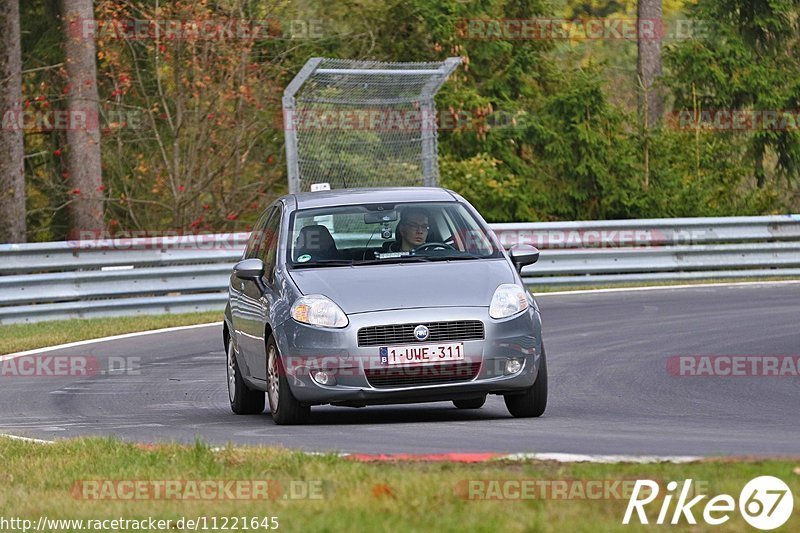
<point>433,246</point>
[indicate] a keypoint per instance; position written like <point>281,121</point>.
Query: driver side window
<point>269,248</point>
<point>256,239</point>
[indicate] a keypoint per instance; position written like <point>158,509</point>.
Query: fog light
<point>513,366</point>
<point>323,377</point>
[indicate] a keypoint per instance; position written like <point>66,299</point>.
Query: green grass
<point>536,288</point>
<point>40,479</point>
<point>19,337</point>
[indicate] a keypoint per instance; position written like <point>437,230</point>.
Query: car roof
<point>308,200</point>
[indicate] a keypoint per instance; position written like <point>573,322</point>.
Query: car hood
<point>365,288</point>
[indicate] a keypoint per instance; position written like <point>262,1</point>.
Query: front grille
<point>457,330</point>
<point>422,375</point>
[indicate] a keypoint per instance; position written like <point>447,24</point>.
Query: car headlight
<point>509,299</point>
<point>318,310</point>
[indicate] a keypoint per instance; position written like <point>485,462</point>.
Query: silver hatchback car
<point>380,296</point>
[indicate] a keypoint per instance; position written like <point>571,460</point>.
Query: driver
<point>412,230</point>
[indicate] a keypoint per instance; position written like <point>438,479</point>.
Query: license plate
<point>421,354</point>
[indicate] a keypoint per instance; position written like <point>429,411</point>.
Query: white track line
<point>104,339</point>
<point>26,439</point>
<point>667,287</point>
<point>554,457</point>
<point>560,458</point>
<point>580,458</point>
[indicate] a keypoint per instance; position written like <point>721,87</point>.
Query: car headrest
<point>315,240</point>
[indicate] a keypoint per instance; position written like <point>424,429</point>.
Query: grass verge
<point>20,337</point>
<point>76,479</point>
<point>535,288</point>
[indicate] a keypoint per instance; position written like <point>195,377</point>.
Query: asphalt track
<point>610,390</point>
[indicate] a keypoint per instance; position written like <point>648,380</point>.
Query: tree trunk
<point>650,25</point>
<point>759,151</point>
<point>83,134</point>
<point>12,165</point>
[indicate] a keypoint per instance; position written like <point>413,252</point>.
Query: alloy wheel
<point>231,372</point>
<point>273,378</point>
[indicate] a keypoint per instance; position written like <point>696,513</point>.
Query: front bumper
<point>305,349</point>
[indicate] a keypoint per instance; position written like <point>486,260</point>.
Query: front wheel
<point>244,401</point>
<point>532,402</point>
<point>284,406</point>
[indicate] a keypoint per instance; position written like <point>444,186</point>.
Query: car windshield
<point>387,233</point>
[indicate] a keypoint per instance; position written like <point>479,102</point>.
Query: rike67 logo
<point>765,503</point>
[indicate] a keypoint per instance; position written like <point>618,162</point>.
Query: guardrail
<point>46,281</point>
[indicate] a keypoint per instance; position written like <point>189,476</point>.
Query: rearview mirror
<point>523,255</point>
<point>376,217</point>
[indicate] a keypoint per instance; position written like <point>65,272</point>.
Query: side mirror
<point>523,255</point>
<point>251,270</point>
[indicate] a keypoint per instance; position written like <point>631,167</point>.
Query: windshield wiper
<point>452,257</point>
<point>387,260</point>
<point>404,259</point>
<point>324,263</point>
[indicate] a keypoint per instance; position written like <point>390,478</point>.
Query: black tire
<point>534,401</point>
<point>285,408</point>
<point>472,403</point>
<point>244,400</point>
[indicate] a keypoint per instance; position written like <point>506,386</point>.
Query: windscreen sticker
<point>304,258</point>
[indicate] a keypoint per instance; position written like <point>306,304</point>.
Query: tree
<point>83,134</point>
<point>197,141</point>
<point>649,23</point>
<point>745,60</point>
<point>12,170</point>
